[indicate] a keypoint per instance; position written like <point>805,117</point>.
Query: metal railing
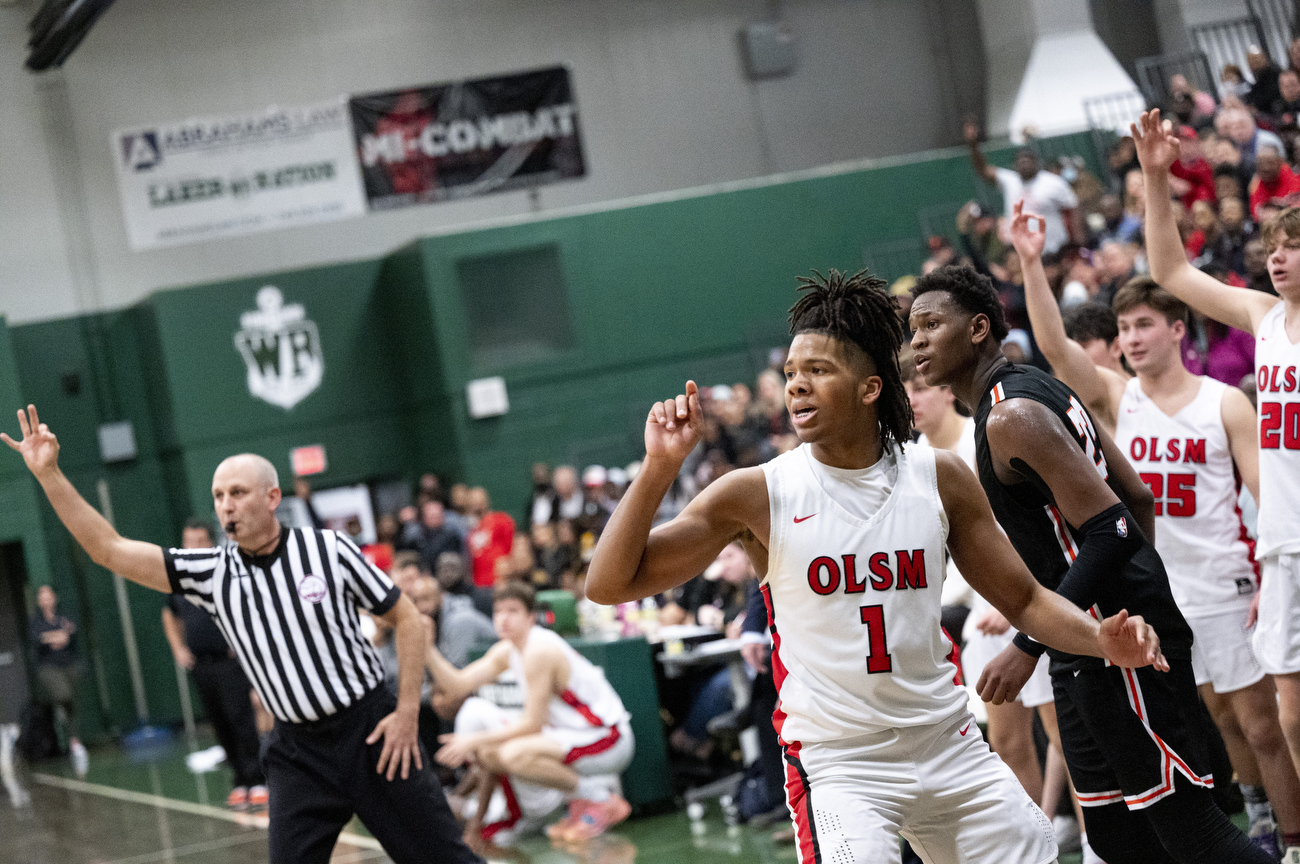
<point>1154,74</point>
<point>1225,42</point>
<point>1275,18</point>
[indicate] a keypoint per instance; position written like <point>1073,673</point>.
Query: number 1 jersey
<point>854,603</point>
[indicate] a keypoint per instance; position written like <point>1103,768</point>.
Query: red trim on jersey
<point>778,668</point>
<point>798,798</point>
<point>570,699</point>
<point>512,807</point>
<point>1169,760</point>
<point>998,393</point>
<point>954,656</point>
<point>1062,533</point>
<point>593,748</point>
<point>1242,533</point>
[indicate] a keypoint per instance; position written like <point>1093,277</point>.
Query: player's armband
<point>1110,540</point>
<point>1029,646</point>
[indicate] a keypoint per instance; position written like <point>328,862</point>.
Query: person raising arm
<point>1099,388</point>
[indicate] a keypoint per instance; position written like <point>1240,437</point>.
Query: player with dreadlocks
<point>849,531</point>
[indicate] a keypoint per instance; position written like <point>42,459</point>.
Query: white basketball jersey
<point>589,699</point>
<point>854,603</point>
<point>1186,461</point>
<point>1277,382</point>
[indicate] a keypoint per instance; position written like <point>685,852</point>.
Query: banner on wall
<point>205,178</point>
<point>448,141</point>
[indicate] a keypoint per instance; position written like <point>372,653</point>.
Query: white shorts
<point>1221,652</point>
<point>596,750</point>
<point>979,651</point>
<point>1277,635</point>
<point>939,786</point>
<point>523,799</point>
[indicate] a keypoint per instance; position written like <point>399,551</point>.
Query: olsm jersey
<point>1048,544</point>
<point>1186,461</point>
<point>1277,388</point>
<point>589,700</point>
<point>854,603</point>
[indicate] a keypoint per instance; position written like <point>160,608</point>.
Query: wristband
<point>1029,646</point>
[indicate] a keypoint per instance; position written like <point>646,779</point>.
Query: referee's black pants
<point>223,690</point>
<point>319,774</point>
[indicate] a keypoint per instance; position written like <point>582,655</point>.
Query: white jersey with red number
<point>1186,461</point>
<point>1277,383</point>
<point>589,700</point>
<point>854,602</point>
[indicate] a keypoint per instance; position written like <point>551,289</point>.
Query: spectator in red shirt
<point>491,540</point>
<point>1273,178</point>
<point>1195,176</point>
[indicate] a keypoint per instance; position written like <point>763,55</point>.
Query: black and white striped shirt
<point>291,616</point>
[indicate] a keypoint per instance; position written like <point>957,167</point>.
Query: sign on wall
<point>449,141</point>
<point>219,177</point>
<point>281,348</point>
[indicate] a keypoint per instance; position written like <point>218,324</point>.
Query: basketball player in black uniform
<point>1080,516</point>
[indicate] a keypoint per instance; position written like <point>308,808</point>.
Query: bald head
<point>252,468</point>
<point>245,493</point>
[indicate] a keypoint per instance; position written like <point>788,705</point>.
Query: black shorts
<point>1127,733</point>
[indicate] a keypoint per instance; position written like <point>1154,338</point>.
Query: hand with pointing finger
<point>673,428</point>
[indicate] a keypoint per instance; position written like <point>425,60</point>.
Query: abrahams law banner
<point>447,141</point>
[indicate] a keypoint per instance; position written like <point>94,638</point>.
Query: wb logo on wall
<point>140,151</point>
<point>282,350</point>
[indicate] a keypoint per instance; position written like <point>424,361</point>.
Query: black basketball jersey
<point>1048,544</point>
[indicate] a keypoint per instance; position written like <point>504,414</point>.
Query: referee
<point>286,600</point>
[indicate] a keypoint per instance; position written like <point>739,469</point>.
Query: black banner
<point>449,141</point>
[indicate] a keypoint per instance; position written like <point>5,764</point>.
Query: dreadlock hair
<point>972,292</point>
<point>859,310</point>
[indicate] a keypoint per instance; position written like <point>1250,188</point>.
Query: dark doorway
<point>13,633</point>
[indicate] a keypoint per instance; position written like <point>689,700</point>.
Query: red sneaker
<point>599,818</point>
<point>558,830</point>
<point>238,798</point>
<point>258,798</point>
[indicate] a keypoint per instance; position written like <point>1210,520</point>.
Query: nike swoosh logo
<point>964,731</point>
<point>799,519</point>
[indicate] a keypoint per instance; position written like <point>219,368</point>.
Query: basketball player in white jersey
<point>1275,323</point>
<point>987,631</point>
<point>878,740</point>
<point>1192,440</point>
<point>574,734</point>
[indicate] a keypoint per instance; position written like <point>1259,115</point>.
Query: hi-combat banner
<point>217,177</point>
<point>449,141</point>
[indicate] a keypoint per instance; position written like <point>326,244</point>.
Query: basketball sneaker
<point>238,798</point>
<point>1263,833</point>
<point>598,817</point>
<point>258,798</point>
<point>80,759</point>
<point>1292,855</point>
<point>560,829</point>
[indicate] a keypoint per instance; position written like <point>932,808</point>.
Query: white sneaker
<point>80,759</point>
<point>1291,855</point>
<point>1090,857</point>
<point>1066,829</point>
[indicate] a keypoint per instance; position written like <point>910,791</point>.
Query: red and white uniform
<point>1186,461</point>
<point>588,717</point>
<point>877,738</point>
<point>1277,383</point>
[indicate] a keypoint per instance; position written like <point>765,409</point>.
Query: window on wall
<point>516,306</point>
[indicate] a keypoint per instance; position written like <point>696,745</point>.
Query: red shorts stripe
<point>593,748</point>
<point>581,707</point>
<point>512,807</point>
<point>798,796</point>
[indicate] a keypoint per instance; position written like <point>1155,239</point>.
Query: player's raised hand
<point>1027,239</point>
<point>1157,145</point>
<point>1130,642</point>
<point>38,447</point>
<point>673,427</point>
